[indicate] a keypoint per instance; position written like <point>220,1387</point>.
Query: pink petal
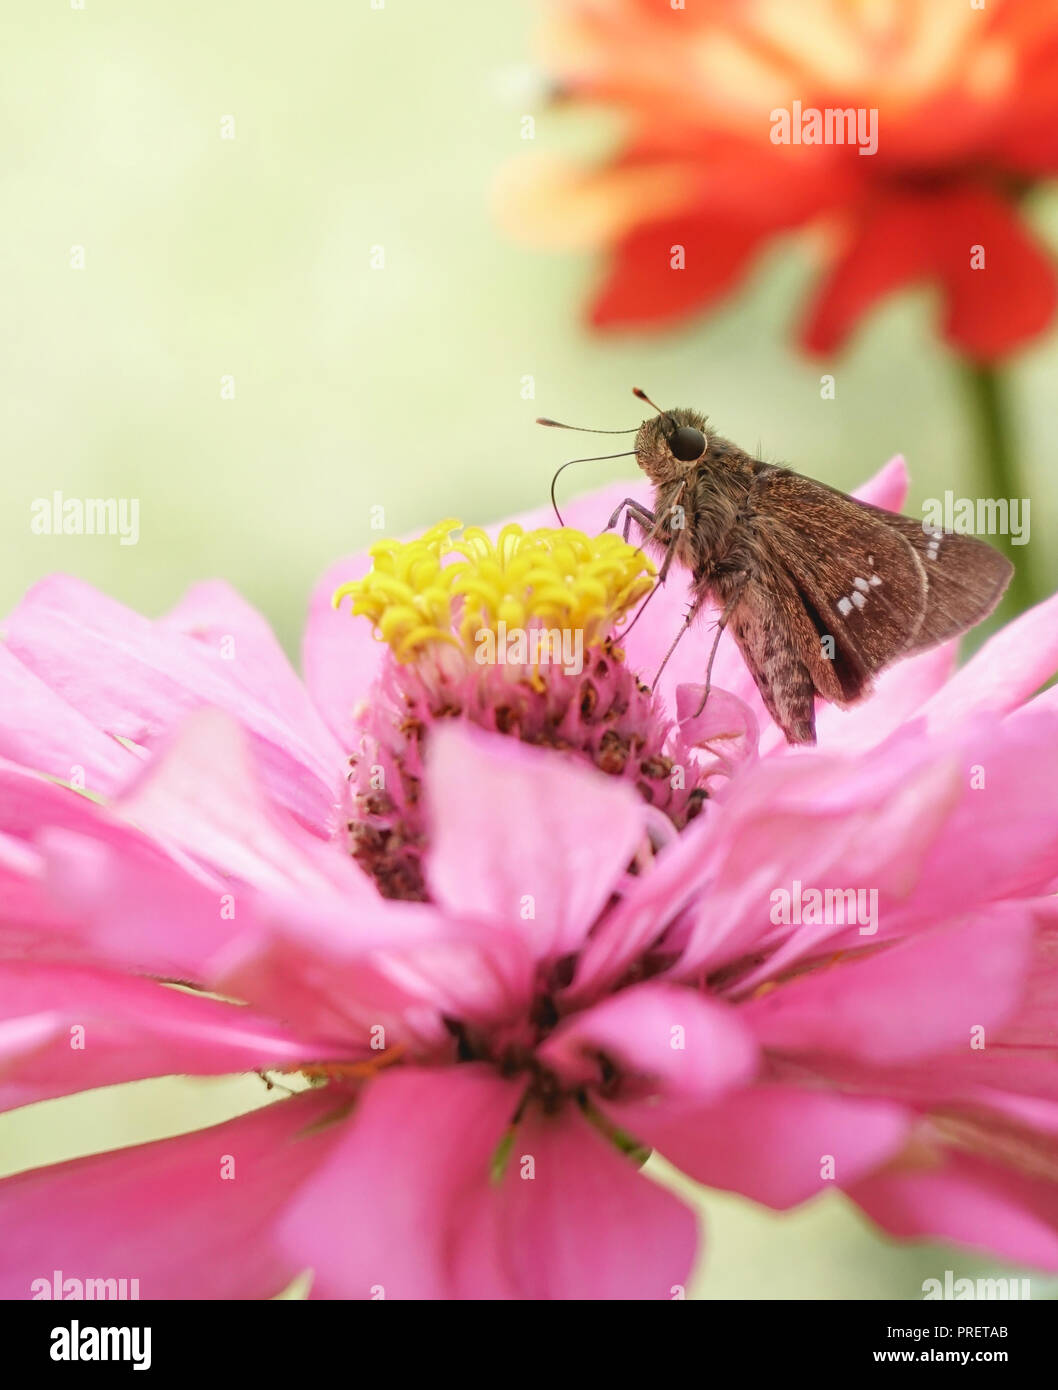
<point>136,679</point>
<point>211,859</point>
<point>111,892</point>
<point>340,654</point>
<point>824,821</point>
<point>649,903</point>
<point>164,1213</point>
<point>41,730</point>
<point>968,1201</point>
<point>221,621</point>
<point>343,969</point>
<point>1014,1075</point>
<point>1033,1024</point>
<point>1005,672</point>
<point>899,693</point>
<point>664,1039</point>
<point>384,1212</point>
<point>1001,839</point>
<point>29,802</point>
<point>67,897</point>
<point>516,831</point>
<point>30,920</point>
<point>572,1218</point>
<point>647,647</point>
<point>770,1142</point>
<point>888,1009</point>
<point>888,487</point>
<point>71,1028</point>
<point>234,827</point>
<point>724,726</point>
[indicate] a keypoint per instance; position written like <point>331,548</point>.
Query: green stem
<point>991,423</point>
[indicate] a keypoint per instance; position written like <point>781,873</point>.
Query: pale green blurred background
<point>358,387</point>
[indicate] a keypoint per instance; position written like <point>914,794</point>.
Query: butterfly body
<point>820,591</point>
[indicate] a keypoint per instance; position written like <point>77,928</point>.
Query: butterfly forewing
<point>966,578</point>
<point>861,580</point>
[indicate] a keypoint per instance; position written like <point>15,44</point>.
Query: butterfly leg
<point>651,524</point>
<point>670,553</point>
<point>692,613</point>
<point>729,608</point>
<point>634,511</point>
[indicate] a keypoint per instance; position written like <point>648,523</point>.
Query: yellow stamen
<point>440,589</point>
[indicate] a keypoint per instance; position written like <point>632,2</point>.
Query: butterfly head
<point>671,444</point>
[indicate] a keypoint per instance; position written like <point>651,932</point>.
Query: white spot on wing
<point>861,592</point>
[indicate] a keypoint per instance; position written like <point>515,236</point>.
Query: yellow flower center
<point>451,589</point>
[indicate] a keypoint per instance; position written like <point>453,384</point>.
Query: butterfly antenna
<point>584,429</point>
<point>629,453</point>
<point>638,391</point>
<point>642,395</point>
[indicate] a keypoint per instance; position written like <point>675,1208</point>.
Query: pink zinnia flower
<point>505,973</point>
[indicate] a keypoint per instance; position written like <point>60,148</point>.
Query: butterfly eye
<point>687,444</point>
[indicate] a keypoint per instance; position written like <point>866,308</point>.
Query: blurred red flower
<point>966,112</point>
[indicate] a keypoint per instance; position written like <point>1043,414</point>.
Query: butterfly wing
<point>966,578</point>
<point>861,582</point>
<point>781,647</point>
